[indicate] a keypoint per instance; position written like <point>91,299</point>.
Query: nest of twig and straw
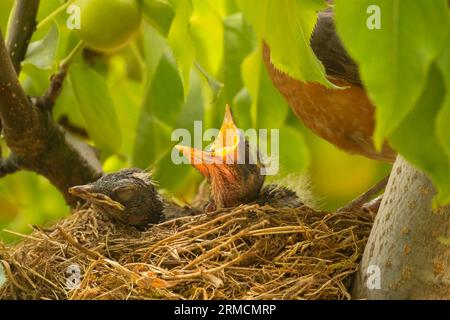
<point>248,252</point>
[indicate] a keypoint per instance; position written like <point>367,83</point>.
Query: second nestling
<point>130,195</point>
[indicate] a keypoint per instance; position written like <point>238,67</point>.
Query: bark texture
<point>37,143</point>
<point>21,28</point>
<point>409,242</point>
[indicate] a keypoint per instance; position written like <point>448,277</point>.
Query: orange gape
<point>343,117</point>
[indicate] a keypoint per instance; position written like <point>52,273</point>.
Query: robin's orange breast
<point>343,117</point>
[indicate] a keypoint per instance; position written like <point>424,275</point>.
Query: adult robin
<point>343,117</point>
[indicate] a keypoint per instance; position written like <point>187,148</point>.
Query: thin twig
<point>73,242</point>
<point>53,15</point>
<point>48,100</point>
<point>365,197</point>
<point>181,233</point>
<point>11,277</point>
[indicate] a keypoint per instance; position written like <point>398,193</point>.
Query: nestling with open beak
<point>233,170</point>
<point>129,196</point>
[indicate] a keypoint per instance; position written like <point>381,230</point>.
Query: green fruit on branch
<point>107,25</point>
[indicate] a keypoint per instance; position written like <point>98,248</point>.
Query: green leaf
<point>169,175</point>
<point>152,140</point>
<point>126,95</point>
<point>34,80</point>
<point>42,53</point>
<point>286,26</point>
<point>5,9</point>
<point>207,35</point>
<point>161,107</point>
<point>150,130</point>
<point>47,7</point>
<point>192,110</point>
<point>154,47</point>
<point>94,101</point>
<point>294,153</point>
<point>238,44</point>
<point>180,40</point>
<point>393,60</point>
<point>416,141</point>
<point>269,109</point>
<point>443,118</point>
<point>21,198</point>
<point>66,106</point>
<point>242,109</point>
<point>158,13</point>
<point>39,62</point>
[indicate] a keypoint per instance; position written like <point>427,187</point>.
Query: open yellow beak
<point>225,145</point>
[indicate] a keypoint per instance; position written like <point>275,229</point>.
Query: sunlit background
<point>143,138</point>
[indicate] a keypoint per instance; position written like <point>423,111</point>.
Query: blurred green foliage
<point>402,79</point>
<point>189,60</point>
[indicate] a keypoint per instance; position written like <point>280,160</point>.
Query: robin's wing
<point>328,48</point>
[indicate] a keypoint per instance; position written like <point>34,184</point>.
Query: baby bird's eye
<point>124,193</point>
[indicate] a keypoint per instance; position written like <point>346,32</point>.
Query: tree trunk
<point>409,244</point>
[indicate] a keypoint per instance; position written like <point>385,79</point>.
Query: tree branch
<point>365,197</point>
<point>48,100</point>
<point>36,140</point>
<point>16,111</point>
<point>21,29</point>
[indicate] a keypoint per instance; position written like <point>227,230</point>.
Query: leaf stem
<point>214,84</point>
<point>48,100</point>
<point>53,14</point>
<point>64,64</point>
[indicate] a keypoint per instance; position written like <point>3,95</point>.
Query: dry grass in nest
<point>248,252</point>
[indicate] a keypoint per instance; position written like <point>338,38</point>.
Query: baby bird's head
<point>232,168</point>
<point>129,196</point>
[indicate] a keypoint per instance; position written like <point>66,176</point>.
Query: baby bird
<point>129,196</point>
<point>234,171</point>
<point>231,168</point>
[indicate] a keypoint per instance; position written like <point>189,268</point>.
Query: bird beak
<point>88,193</point>
<point>233,177</point>
<point>223,151</point>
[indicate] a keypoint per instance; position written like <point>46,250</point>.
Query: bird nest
<point>247,252</point>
